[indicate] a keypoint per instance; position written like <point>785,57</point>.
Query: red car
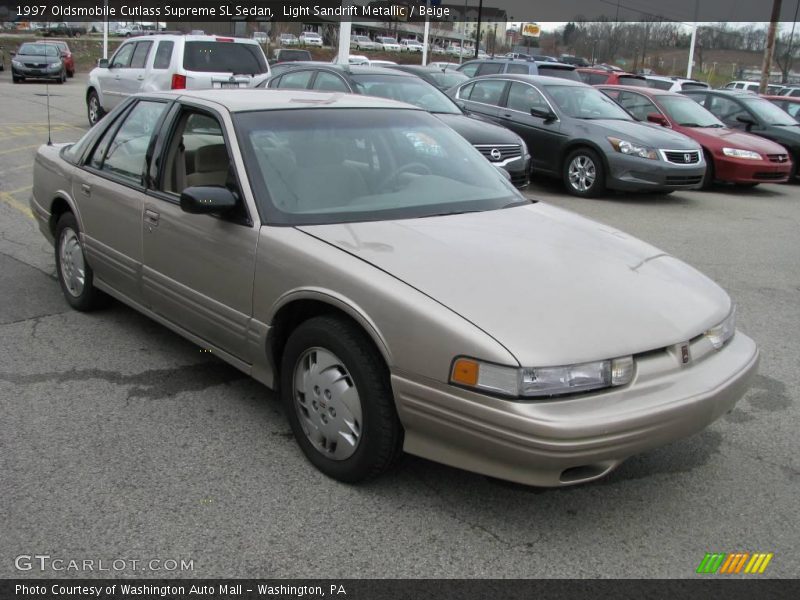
<point>732,156</point>
<point>790,104</point>
<point>66,56</point>
<point>598,76</point>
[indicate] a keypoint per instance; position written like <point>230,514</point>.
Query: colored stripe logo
<point>723,563</point>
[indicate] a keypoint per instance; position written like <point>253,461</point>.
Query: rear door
<point>544,138</point>
<point>198,269</point>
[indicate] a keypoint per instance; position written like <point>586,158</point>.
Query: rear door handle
<point>140,78</point>
<point>86,189</point>
<point>151,219</point>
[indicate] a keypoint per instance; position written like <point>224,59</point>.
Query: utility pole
<point>766,67</point>
<point>694,40</point>
<point>478,31</point>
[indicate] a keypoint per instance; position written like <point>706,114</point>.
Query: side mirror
<point>747,120</point>
<point>658,119</point>
<point>547,115</point>
<point>103,63</point>
<point>203,199</point>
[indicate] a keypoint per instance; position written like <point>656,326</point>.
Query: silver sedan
<point>361,258</point>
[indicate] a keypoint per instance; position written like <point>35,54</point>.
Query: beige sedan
<point>364,260</point>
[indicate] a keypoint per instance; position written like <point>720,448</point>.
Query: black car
<point>577,133</point>
<point>38,60</point>
<point>511,66</point>
<point>753,114</point>
<point>443,79</point>
<point>502,147</point>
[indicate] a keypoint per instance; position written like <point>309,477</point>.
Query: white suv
<point>311,38</point>
<point>170,62</point>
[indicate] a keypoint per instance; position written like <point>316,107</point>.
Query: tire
<point>62,78</point>
<point>70,73</point>
<point>746,186</point>
<point>16,79</point>
<point>94,110</point>
<point>74,274</point>
<point>350,361</point>
<point>709,177</point>
<point>589,172</point>
<point>793,172</point>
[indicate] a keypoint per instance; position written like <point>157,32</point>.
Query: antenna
<point>47,93</point>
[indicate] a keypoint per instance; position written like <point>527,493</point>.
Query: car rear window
<point>293,55</point>
<point>224,57</point>
<point>634,81</point>
<point>560,72</point>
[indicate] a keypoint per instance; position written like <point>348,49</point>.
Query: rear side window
<point>632,81</point>
<point>487,92</point>
<point>140,55</point>
<point>490,69</point>
<point>296,80</point>
<point>470,69</point>
<point>224,57</point>
<point>329,83</point>
<point>517,69</point>
<point>561,73</point>
<point>163,55</point>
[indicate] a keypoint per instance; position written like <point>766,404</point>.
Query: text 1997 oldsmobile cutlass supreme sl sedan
<point>362,258</point>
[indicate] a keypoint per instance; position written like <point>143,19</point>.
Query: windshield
<point>767,112</point>
<point>582,102</point>
<point>685,111</point>
<point>224,57</point>
<point>38,50</point>
<point>334,165</point>
<point>406,89</point>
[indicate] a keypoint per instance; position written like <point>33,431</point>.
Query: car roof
<point>542,79</point>
<point>243,100</point>
<point>647,91</point>
<point>504,59</point>
<point>359,69</point>
<point>732,93</point>
<point>192,38</point>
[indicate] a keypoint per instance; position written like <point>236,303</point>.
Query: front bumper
<point>630,173</point>
<point>737,170</point>
<point>31,73</point>
<point>578,439</point>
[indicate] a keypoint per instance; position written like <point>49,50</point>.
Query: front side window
<point>522,97</point>
<point>125,156</point>
<point>139,58</point>
<point>346,165</point>
<point>728,111</point>
<point>123,57</point>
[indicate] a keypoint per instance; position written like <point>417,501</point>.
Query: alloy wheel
<point>582,173</point>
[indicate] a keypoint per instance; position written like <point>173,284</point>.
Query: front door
<point>198,269</point>
<point>112,80</point>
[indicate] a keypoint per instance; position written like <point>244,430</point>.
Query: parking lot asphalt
<point>120,440</point>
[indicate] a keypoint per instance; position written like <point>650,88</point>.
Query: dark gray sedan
<point>38,60</point>
<point>575,132</point>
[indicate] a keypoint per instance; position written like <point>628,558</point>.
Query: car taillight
<point>178,82</point>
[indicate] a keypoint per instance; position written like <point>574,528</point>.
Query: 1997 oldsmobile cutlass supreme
<point>364,260</point>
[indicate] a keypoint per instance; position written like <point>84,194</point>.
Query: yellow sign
<point>530,30</point>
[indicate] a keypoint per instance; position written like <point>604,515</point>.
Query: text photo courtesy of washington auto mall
<point>399,299</point>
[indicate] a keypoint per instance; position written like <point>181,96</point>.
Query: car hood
<point>731,138</point>
<point>553,287</point>
<point>633,131</point>
<point>478,131</point>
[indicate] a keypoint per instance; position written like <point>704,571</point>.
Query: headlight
<point>16,63</point>
<point>539,382</point>
<point>631,149</point>
<point>723,332</point>
<point>737,153</point>
<point>54,67</point>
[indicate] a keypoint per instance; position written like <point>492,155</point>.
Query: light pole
<point>478,31</point>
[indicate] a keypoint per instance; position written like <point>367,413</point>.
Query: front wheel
<point>584,174</point>
<point>74,273</point>
<point>708,176</point>
<point>336,391</point>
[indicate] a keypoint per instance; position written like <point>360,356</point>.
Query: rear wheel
<point>70,73</point>
<point>584,175</point>
<point>336,391</point>
<point>16,79</point>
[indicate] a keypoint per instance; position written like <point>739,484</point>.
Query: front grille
<point>35,65</point>
<point>768,176</point>
<point>503,151</point>
<point>684,179</point>
<point>778,158</point>
<point>681,157</point>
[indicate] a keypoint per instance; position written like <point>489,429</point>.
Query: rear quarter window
<point>518,69</point>
<point>163,55</point>
<point>224,57</point>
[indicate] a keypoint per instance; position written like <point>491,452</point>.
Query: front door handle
<point>140,78</point>
<point>151,219</point>
<point>86,189</point>
<point>507,115</point>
